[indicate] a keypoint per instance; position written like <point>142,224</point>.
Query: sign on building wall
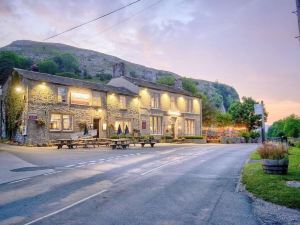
<point>80,98</point>
<point>32,116</point>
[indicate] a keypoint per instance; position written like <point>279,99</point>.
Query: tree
<point>287,127</point>
<point>243,113</point>
<point>9,60</point>
<point>14,105</point>
<point>48,66</point>
<point>190,85</point>
<point>67,63</point>
<point>223,119</point>
<point>166,80</point>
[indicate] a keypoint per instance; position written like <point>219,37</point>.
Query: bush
<point>273,151</point>
<point>193,137</point>
<point>166,80</point>
<point>167,137</point>
<point>254,134</point>
<point>297,144</point>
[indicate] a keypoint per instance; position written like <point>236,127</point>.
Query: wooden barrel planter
<point>275,166</point>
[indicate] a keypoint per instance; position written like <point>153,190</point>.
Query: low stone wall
<point>232,140</point>
<point>195,141</point>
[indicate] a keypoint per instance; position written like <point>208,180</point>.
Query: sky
<point>248,44</point>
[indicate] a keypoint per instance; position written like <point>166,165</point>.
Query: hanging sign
<point>32,116</point>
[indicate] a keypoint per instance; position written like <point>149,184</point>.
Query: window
<point>97,101</point>
<point>67,122</point>
<point>55,122</point>
<point>80,98</point>
<point>155,125</point>
<point>60,122</point>
<point>189,127</point>
<point>123,124</point>
<point>189,105</point>
<point>173,103</point>
<point>155,101</point>
<point>123,103</point>
<point>62,94</point>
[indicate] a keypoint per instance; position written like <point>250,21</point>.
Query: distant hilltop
<point>95,63</point>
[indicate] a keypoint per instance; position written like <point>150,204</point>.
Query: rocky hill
<point>94,63</point>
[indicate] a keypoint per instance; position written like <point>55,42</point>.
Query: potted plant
<point>40,122</point>
<point>274,158</point>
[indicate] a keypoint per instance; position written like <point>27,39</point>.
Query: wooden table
<point>62,142</point>
<point>87,141</point>
<point>119,143</point>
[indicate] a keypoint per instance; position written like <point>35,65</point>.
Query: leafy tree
<point>48,66</point>
<point>223,119</point>
<point>287,127</point>
<point>166,80</point>
<point>190,85</point>
<point>9,60</point>
<point>67,63</point>
<point>14,105</point>
<point>243,113</point>
<point>104,76</point>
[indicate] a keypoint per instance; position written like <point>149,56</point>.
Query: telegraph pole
<point>263,133</point>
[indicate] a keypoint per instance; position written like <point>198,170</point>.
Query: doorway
<point>96,126</point>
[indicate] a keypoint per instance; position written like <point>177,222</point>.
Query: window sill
<point>61,131</point>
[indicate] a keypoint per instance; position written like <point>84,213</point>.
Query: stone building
<point>58,107</point>
<point>164,110</point>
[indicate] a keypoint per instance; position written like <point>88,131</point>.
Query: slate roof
<point>155,86</point>
<point>50,78</point>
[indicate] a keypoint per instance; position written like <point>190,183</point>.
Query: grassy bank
<point>273,187</point>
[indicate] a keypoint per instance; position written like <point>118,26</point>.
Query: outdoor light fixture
<point>104,126</point>
<point>99,110</point>
<point>19,89</point>
<point>173,113</point>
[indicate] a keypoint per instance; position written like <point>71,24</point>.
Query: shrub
<point>193,137</point>
<point>167,137</point>
<point>254,134</point>
<point>297,144</point>
<point>273,151</point>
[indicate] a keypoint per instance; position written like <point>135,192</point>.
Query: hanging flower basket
<point>40,122</point>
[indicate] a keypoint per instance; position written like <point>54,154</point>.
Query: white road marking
<point>50,173</point>
<point>82,163</point>
<point>69,165</point>
<point>92,161</point>
<point>91,164</point>
<point>17,181</point>
<point>156,168</point>
<point>80,166</point>
<point>65,208</point>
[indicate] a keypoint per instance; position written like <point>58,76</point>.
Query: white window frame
<point>189,127</point>
<point>61,122</point>
<point>64,98</point>
<point>189,105</point>
<point>96,99</point>
<point>155,125</point>
<point>155,101</point>
<point>123,101</point>
<point>173,105</point>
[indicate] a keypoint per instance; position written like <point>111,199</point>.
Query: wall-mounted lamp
<point>19,89</point>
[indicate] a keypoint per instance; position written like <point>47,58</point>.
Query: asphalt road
<point>193,184</point>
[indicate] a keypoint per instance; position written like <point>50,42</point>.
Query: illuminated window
<point>189,105</point>
<point>62,94</point>
<point>155,125</point>
<point>60,122</point>
<point>123,103</point>
<point>189,127</point>
<point>123,124</point>
<point>55,122</point>
<point>67,122</point>
<point>173,103</point>
<point>97,101</point>
<point>155,101</point>
<point>80,98</point>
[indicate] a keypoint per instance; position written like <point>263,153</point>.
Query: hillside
<point>94,63</point>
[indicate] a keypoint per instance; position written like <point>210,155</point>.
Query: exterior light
<point>99,110</point>
<point>104,126</point>
<point>43,83</point>
<point>19,89</point>
<point>173,113</point>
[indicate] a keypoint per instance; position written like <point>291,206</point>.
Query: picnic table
<point>61,142</point>
<point>71,143</point>
<point>119,143</point>
<point>151,142</point>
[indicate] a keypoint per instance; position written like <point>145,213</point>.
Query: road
<point>193,184</point>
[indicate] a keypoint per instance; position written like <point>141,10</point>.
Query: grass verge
<point>273,187</point>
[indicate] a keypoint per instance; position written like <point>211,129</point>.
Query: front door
<point>96,125</point>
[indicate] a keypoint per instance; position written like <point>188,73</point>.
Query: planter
<point>279,166</point>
